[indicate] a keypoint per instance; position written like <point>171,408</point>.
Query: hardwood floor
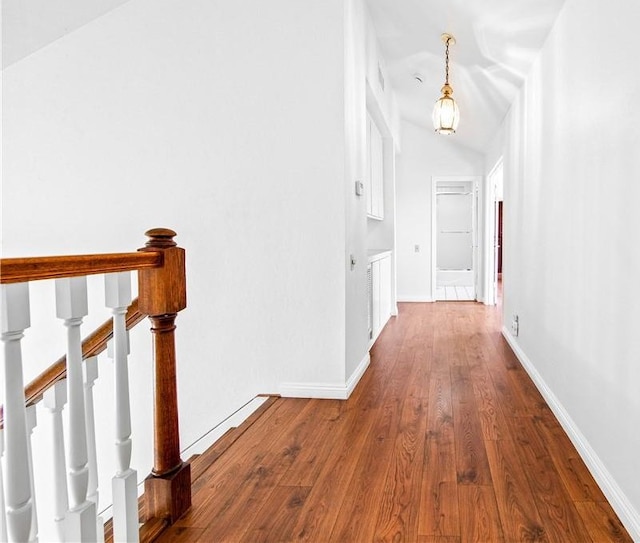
<point>445,440</point>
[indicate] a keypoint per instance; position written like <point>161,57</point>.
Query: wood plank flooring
<point>445,440</point>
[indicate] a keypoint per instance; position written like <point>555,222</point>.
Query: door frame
<point>475,183</point>
<point>491,224</point>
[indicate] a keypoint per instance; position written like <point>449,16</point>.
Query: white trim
<point>205,441</point>
<point>629,516</point>
<point>402,298</point>
<point>326,391</point>
<point>234,420</point>
<point>353,381</point>
<point>489,248</point>
<point>379,255</point>
<point>434,236</point>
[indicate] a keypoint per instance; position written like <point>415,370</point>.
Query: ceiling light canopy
<point>445,112</point>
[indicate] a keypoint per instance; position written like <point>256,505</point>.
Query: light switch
<point>359,188</point>
<point>416,248</point>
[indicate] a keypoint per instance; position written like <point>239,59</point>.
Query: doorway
<point>493,250</point>
<point>454,238</point>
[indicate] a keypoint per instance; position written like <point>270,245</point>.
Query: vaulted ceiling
<point>29,25</point>
<point>497,42</point>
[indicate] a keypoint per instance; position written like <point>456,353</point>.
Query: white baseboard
<point>415,299</point>
<point>232,421</point>
<point>629,516</point>
<point>326,391</point>
<point>204,442</point>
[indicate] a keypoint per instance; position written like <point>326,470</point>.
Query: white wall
<point>382,107</point>
<point>571,257</point>
<point>381,99</point>
<point>224,121</point>
<point>356,206</point>
<point>363,93</point>
<point>424,154</point>
<point>494,150</point>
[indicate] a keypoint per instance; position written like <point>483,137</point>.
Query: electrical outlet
<point>515,326</point>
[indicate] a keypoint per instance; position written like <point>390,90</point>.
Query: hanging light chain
<point>445,111</point>
<point>446,57</point>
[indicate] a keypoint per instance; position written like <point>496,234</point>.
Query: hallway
<point>445,440</point>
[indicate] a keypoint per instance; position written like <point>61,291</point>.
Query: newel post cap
<point>162,290</point>
<point>160,237</point>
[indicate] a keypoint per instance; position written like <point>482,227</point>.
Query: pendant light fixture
<point>445,112</point>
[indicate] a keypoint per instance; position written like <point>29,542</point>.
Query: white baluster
<point>15,319</point>
<point>124,483</point>
<point>71,305</point>
<point>32,422</point>
<point>3,519</point>
<point>54,400</point>
<point>90,373</point>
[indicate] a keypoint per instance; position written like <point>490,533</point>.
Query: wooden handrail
<point>162,295</point>
<point>92,345</point>
<point>21,270</point>
<point>24,269</point>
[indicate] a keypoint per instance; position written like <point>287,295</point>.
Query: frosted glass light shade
<point>446,115</point>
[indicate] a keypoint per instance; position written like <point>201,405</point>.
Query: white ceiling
<point>497,42</point>
<point>29,25</point>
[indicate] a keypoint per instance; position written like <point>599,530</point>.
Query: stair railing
<point>160,266</point>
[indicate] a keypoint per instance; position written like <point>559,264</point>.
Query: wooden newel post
<point>161,295</point>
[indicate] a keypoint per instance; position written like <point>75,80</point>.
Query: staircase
<point>63,393</point>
